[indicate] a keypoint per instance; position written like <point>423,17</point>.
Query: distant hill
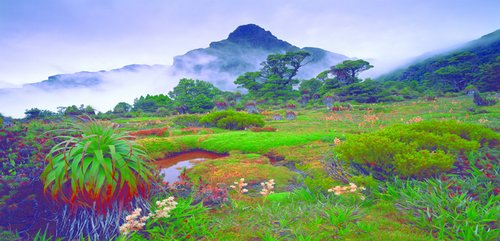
<point>86,79</point>
<point>243,51</point>
<point>476,63</point>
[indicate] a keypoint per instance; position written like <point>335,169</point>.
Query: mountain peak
<point>248,32</point>
<point>254,36</point>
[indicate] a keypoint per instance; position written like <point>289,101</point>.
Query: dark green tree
<point>89,110</point>
<point>275,80</point>
<point>35,113</point>
<point>151,103</point>
<point>347,71</point>
<point>252,81</point>
<point>488,78</point>
<point>122,107</point>
<point>310,86</point>
<point>194,96</point>
<point>72,110</point>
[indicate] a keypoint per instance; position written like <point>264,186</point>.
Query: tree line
<point>274,83</point>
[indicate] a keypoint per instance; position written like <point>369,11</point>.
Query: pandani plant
<point>96,166</point>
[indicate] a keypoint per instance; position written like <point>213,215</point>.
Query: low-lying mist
<point>130,82</point>
<point>115,86</point>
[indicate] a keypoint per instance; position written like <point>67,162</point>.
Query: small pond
<point>171,167</point>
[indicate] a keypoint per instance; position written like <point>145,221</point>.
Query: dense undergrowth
<point>415,170</point>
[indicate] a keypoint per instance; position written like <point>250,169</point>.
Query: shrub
<point>232,120</point>
<point>471,132</point>
<point>482,101</point>
<point>187,120</point>
<point>415,150</point>
<point>95,164</point>
<point>454,207</point>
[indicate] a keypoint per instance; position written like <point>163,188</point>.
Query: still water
<point>171,167</point>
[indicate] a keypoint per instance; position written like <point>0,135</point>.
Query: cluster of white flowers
<point>240,186</point>
<point>351,188</point>
<point>134,223</point>
<point>337,141</point>
<point>164,207</point>
<point>267,187</point>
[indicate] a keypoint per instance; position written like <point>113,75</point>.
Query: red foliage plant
<point>149,132</point>
<point>263,129</point>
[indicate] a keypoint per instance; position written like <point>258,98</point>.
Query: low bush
<point>415,150</point>
<point>187,120</point>
<point>232,120</point>
<point>471,132</point>
<point>453,207</point>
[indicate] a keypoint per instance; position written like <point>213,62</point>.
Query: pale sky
<point>43,38</point>
<point>40,38</point>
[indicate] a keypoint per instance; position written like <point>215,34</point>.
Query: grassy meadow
<point>301,207</point>
<point>317,187</point>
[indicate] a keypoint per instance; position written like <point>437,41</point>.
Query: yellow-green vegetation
<point>254,168</point>
<point>246,141</point>
<point>377,146</point>
<point>420,149</point>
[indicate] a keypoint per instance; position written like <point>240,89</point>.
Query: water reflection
<point>171,167</point>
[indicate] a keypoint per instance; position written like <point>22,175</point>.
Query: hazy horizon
<point>41,39</point>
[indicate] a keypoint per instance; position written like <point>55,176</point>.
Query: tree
<point>488,77</point>
<point>72,110</point>
<point>252,81</point>
<point>32,113</point>
<point>151,103</point>
<point>122,107</point>
<point>347,71</point>
<point>35,113</point>
<point>275,80</point>
<point>194,96</point>
<point>145,104</point>
<point>89,110</point>
<point>311,86</point>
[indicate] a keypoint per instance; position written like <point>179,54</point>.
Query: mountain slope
<point>476,63</point>
<point>221,63</point>
<point>243,51</point>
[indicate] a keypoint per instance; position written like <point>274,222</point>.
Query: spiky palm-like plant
<point>96,166</point>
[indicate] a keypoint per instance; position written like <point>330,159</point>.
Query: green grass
<point>245,141</point>
<point>301,208</point>
<point>309,212</point>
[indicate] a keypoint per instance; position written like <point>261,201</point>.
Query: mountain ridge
<point>476,62</point>
<point>221,63</point>
<point>243,51</point>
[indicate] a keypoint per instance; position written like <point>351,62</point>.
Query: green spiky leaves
<point>96,164</point>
